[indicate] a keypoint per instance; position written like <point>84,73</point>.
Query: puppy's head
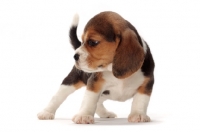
<point>109,44</point>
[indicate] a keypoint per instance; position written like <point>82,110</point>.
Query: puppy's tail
<point>72,32</point>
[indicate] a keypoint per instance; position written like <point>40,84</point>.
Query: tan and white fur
<point>113,62</point>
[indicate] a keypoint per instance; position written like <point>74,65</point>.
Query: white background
<point>35,56</point>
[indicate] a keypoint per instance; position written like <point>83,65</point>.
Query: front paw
<point>83,119</point>
<point>45,115</point>
<point>137,117</point>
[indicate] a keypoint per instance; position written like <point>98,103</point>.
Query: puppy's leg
<point>139,108</point>
<point>71,83</point>
<point>89,103</point>
<point>87,110</point>
<point>140,103</point>
<point>56,101</point>
<point>102,112</point>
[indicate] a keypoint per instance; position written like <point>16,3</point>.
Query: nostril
<point>76,57</point>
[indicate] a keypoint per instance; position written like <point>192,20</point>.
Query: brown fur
<point>143,88</point>
<point>79,85</point>
<point>118,44</point>
<point>103,53</point>
<point>95,82</point>
<point>129,55</point>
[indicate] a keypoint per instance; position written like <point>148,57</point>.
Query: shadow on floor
<point>115,121</point>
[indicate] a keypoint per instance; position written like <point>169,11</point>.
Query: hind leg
<point>102,112</point>
<point>71,83</point>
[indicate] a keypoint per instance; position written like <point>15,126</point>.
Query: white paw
<point>83,119</point>
<point>45,115</point>
<point>136,117</point>
<point>107,115</point>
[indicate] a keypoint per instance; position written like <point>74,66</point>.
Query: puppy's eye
<point>93,42</point>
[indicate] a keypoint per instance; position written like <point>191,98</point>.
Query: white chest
<point>122,89</point>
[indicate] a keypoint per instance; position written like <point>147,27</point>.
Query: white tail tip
<point>75,20</point>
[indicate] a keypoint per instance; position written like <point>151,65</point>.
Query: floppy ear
<point>129,55</point>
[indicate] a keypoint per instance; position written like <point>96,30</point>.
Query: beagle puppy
<point>113,62</point>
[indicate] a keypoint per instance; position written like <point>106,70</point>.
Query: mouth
<point>87,70</point>
<point>100,66</point>
<point>84,69</point>
<point>98,69</point>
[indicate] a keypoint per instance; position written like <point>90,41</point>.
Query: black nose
<point>76,57</point>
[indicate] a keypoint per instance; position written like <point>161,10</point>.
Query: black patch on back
<point>73,37</point>
<point>106,92</point>
<point>148,65</point>
<point>75,76</point>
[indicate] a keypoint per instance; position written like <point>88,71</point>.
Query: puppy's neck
<point>109,67</point>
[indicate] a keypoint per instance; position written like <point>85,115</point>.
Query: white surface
<point>35,56</point>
